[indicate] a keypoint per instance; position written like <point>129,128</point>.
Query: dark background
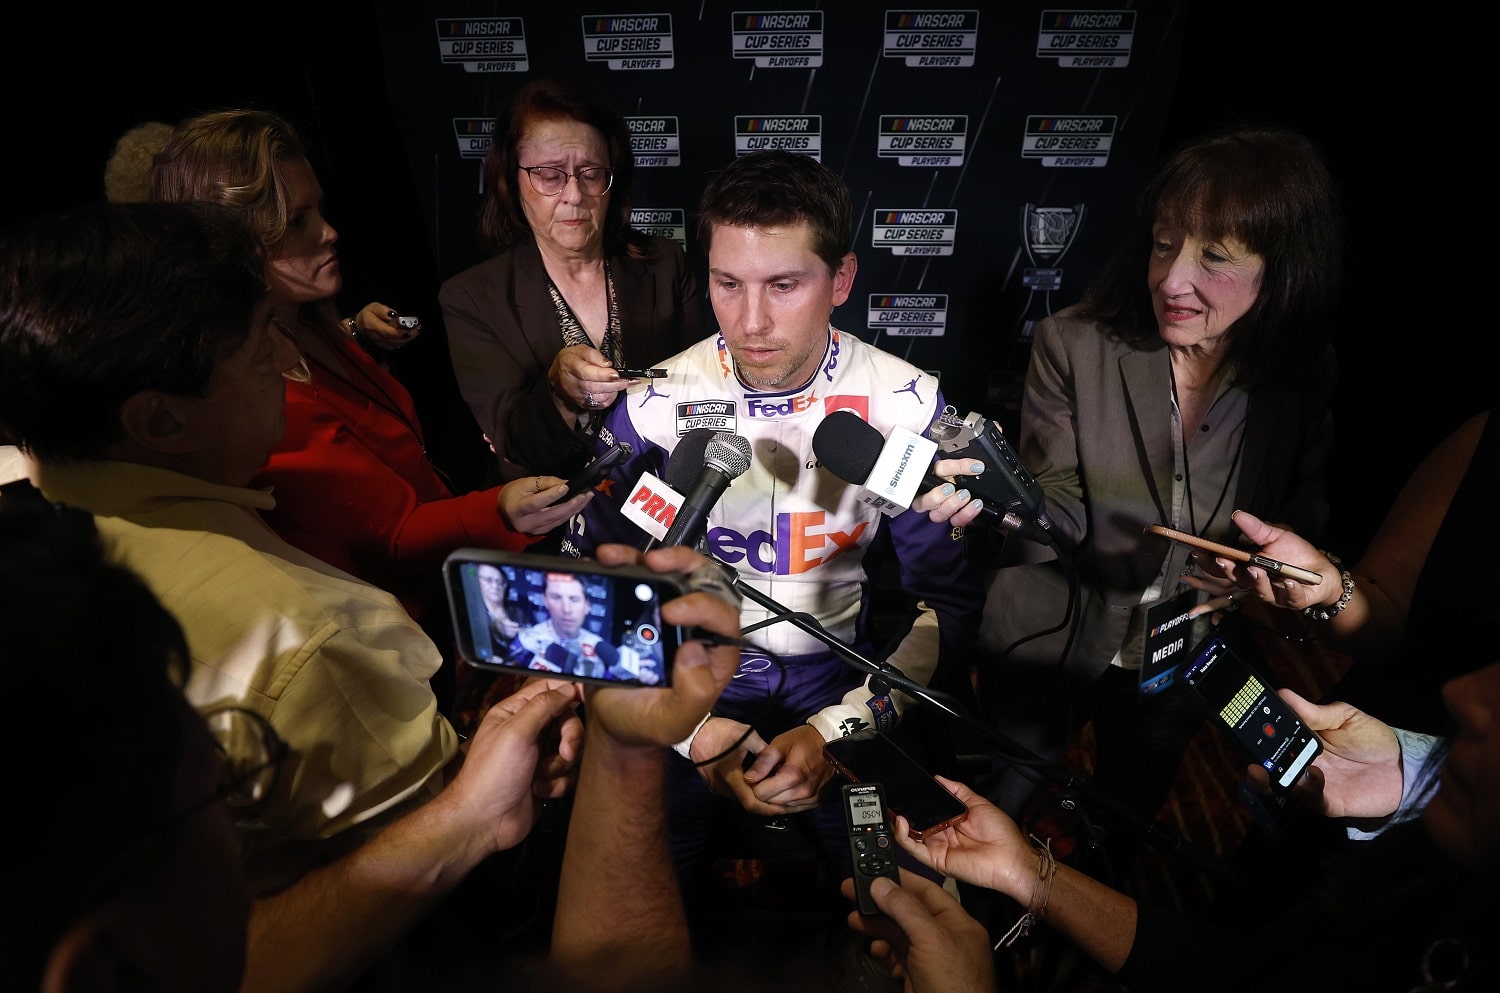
<point>1397,124</point>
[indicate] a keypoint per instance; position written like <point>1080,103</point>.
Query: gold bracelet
<point>1041,893</point>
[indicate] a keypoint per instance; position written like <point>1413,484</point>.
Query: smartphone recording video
<point>571,619</point>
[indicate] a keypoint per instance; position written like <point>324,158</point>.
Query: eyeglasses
<point>549,181</point>
<point>251,752</point>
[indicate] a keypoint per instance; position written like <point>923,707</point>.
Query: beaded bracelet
<point>1041,892</point>
<point>1321,613</point>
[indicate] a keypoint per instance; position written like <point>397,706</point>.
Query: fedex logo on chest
<point>799,542</point>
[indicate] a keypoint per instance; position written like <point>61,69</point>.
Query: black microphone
<point>559,656</point>
<point>682,466</point>
<point>725,456</point>
<point>687,458</point>
<point>849,448</point>
<point>606,657</point>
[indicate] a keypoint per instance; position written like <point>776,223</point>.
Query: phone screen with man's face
<point>565,618</point>
<point>1244,705</point>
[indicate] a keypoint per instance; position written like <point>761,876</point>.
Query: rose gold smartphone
<point>1237,554</point>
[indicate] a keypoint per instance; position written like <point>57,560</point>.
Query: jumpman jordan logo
<point>651,392</point>
<point>911,388</point>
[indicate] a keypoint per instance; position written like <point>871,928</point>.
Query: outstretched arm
<point>987,849</point>
<point>620,922</point>
<point>333,923</point>
<point>1372,623</point>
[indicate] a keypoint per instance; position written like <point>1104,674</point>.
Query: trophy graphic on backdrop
<point>1046,232</point>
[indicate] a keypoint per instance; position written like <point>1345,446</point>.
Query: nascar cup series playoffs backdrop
<point>994,154</point>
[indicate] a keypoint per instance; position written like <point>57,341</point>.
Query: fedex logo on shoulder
<point>834,347</point>
<point>802,542</point>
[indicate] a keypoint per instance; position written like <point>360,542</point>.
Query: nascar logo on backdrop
<point>794,133</point>
<point>780,39</point>
<point>1069,140</point>
<point>909,315</point>
<point>483,44</point>
<point>915,232</point>
<point>631,41</point>
<point>928,39</point>
<point>655,141</point>
<point>923,140</point>
<point>475,135</point>
<point>1086,39</point>
<point>667,222</point>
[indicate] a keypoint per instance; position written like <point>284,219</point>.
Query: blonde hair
<point>127,173</point>
<point>231,157</point>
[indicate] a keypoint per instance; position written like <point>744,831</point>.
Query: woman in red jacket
<point>351,477</point>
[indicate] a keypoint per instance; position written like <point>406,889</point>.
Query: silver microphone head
<point>728,452</point>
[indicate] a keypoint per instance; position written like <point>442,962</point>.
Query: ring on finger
<point>591,400</point>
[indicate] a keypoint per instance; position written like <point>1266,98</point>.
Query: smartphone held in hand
<point>544,615</point>
<point>870,757</point>
<point>1245,707</point>
<point>593,473</point>
<point>1273,566</point>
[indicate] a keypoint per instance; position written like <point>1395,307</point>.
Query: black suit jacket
<point>503,334</point>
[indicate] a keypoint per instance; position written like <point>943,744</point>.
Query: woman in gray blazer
<point>1193,379</point>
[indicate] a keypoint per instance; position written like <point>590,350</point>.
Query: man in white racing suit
<point>560,642</point>
<point>777,226</point>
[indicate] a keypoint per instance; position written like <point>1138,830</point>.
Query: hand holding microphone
<point>892,470</point>
<point>725,457</point>
<point>952,503</point>
<point>1009,484</point>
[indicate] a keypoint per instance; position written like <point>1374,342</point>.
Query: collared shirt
<point>336,665</point>
<point>1205,471</point>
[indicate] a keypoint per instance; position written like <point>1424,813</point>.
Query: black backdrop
<point>1377,95</point>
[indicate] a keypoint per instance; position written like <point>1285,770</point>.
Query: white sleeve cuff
<point>685,746</point>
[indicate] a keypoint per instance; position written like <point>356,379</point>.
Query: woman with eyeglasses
<point>571,293</point>
<point>351,477</point>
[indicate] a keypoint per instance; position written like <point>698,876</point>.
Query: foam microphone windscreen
<point>560,657</point>
<point>847,446</point>
<point>687,458</point>
<point>607,654</point>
